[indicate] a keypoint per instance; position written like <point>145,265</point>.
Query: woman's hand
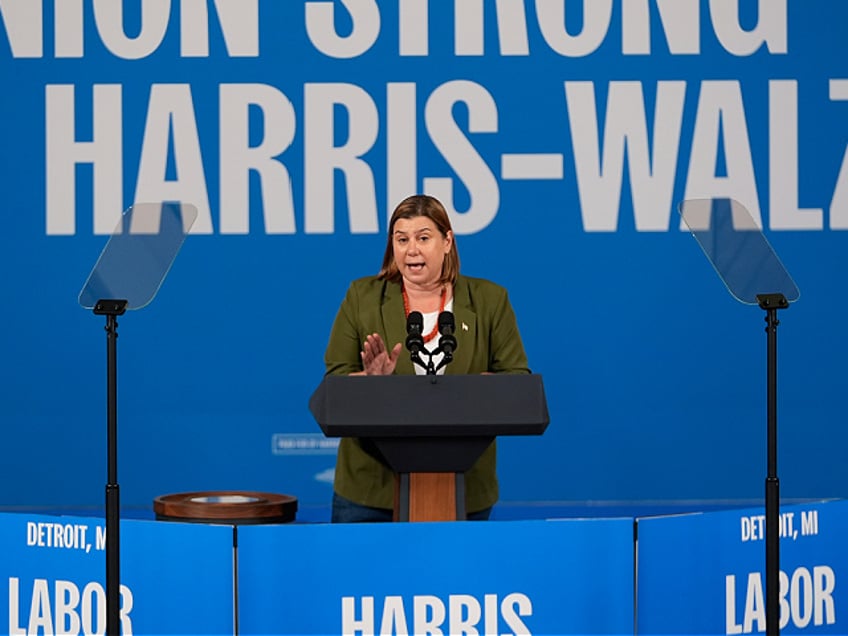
<point>376,358</point>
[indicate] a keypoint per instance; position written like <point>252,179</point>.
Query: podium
<point>429,430</point>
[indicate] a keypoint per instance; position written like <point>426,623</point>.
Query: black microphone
<point>447,326</point>
<point>414,329</point>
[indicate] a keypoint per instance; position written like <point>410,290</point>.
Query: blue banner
<point>705,573</point>
<point>527,577</point>
<point>175,578</point>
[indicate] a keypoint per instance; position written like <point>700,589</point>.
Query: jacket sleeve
<point>342,355</point>
<point>506,353</point>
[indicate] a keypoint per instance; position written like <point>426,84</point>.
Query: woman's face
<point>419,250</point>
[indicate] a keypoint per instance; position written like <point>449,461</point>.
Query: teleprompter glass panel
<point>139,254</point>
<point>735,245</point>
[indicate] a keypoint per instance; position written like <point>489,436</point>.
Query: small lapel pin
<point>464,327</point>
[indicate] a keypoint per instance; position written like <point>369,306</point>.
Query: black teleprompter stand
<point>112,309</point>
<point>127,276</point>
<point>771,303</point>
<point>734,243</point>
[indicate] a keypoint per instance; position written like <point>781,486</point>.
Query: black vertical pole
<point>772,487</point>
<point>113,574</point>
<point>771,303</point>
<point>111,309</point>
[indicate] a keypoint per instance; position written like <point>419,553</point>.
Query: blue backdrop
<point>560,134</point>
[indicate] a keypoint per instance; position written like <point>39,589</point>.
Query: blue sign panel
<point>527,577</point>
<point>175,578</point>
<point>705,573</point>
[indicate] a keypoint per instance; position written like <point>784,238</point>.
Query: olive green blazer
<point>487,341</point>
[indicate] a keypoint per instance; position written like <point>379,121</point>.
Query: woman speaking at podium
<point>420,273</point>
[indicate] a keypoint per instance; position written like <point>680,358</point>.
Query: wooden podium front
<point>430,450</point>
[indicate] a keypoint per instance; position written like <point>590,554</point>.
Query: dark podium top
<point>430,423</point>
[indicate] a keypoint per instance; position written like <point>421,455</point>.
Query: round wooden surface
<point>226,506</point>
